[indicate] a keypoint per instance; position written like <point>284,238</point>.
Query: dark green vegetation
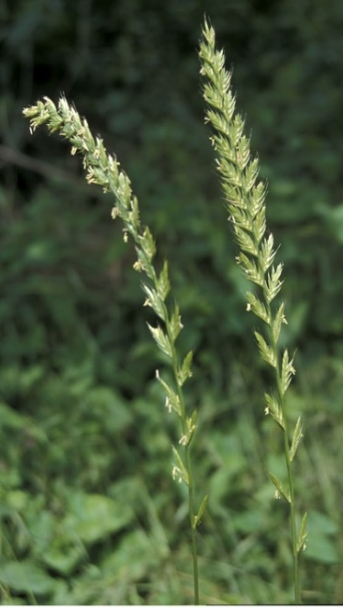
<point>89,511</point>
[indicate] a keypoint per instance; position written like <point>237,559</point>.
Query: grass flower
<point>245,201</point>
<point>104,170</point>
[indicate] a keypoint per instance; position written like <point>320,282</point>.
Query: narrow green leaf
<point>280,487</point>
<point>200,513</point>
<point>296,438</point>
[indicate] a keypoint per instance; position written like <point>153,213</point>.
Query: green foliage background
<point>89,512</point>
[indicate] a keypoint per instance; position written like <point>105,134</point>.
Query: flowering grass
<point>245,202</point>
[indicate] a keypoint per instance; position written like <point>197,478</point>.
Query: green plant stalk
<point>193,532</point>
<point>103,170</point>
<point>245,201</point>
<point>287,443</point>
<point>191,502</point>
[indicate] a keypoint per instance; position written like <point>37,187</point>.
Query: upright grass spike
<point>104,170</point>
<point>245,201</point>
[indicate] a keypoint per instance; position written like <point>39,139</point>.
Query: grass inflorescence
<point>245,201</point>
<point>104,170</point>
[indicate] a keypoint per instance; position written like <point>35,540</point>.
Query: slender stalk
<point>287,443</point>
<point>103,170</point>
<point>188,466</point>
<point>193,528</point>
<point>245,201</point>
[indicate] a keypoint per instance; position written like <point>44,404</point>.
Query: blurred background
<point>89,512</point>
